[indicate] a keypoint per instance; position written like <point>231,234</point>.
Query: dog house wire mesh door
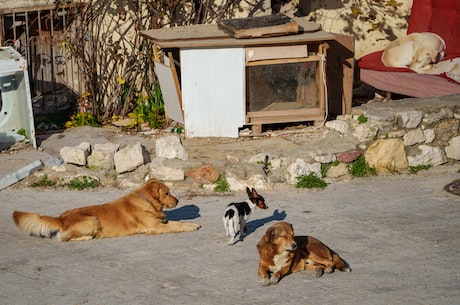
<point>285,89</point>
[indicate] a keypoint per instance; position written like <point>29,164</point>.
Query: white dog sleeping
<point>416,51</point>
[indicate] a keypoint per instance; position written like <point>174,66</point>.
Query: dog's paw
<point>274,280</point>
<point>328,270</point>
<point>319,272</point>
<point>265,282</point>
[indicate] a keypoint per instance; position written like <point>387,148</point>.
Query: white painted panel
<point>16,105</point>
<point>213,91</point>
<point>169,92</point>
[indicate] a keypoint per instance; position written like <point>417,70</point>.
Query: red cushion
<point>373,61</point>
<point>438,16</point>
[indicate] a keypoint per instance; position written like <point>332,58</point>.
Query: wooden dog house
<point>215,84</point>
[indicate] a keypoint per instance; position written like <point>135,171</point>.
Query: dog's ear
<point>154,188</point>
<point>254,193</point>
<point>249,192</point>
<point>266,239</point>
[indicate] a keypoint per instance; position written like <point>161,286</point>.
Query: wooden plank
<point>297,115</point>
<point>208,35</point>
<point>340,69</point>
<point>261,26</point>
<point>276,52</point>
<point>176,81</point>
<point>171,97</point>
<point>282,61</point>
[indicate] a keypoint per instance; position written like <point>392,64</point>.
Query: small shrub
<point>417,168</point>
<point>22,132</point>
<point>362,118</point>
<point>82,119</point>
<point>360,168</point>
<point>81,183</point>
<point>44,182</point>
<point>310,181</point>
<point>222,185</point>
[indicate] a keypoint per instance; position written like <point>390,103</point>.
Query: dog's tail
<point>34,224</point>
<point>339,263</point>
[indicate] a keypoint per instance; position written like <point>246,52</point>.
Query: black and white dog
<point>237,213</point>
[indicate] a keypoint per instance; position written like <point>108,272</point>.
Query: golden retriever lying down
<point>282,253</point>
<point>139,212</point>
<point>416,51</point>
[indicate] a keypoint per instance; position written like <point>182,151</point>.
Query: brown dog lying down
<point>139,212</point>
<point>282,253</point>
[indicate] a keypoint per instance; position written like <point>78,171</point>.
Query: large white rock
<point>414,136</point>
<point>76,154</point>
<point>428,156</point>
<point>364,132</point>
<point>301,168</point>
<point>256,181</point>
<point>102,156</point>
<point>166,173</point>
<point>339,125</point>
<point>129,158</point>
<point>453,149</point>
<point>170,147</point>
<point>410,118</point>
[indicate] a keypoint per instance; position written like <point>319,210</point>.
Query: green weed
<point>360,168</point>
<point>310,181</point>
<point>417,168</point>
<point>22,132</point>
<point>222,185</point>
<point>362,118</point>
<point>44,182</point>
<point>81,183</point>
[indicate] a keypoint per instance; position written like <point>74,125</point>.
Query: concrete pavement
<point>400,234</point>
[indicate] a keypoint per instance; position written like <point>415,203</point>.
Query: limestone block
<point>413,137</point>
<point>257,181</point>
<point>300,168</point>
<point>387,155</point>
<point>77,154</point>
<point>102,156</point>
<point>364,132</point>
<point>410,118</point>
<point>380,115</point>
<point>109,147</point>
<point>339,125</point>
<point>453,149</point>
<point>434,117</point>
<point>129,158</point>
<point>328,158</point>
<point>429,135</point>
<point>170,147</point>
<point>338,171</point>
<point>166,173</point>
<point>428,156</point>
